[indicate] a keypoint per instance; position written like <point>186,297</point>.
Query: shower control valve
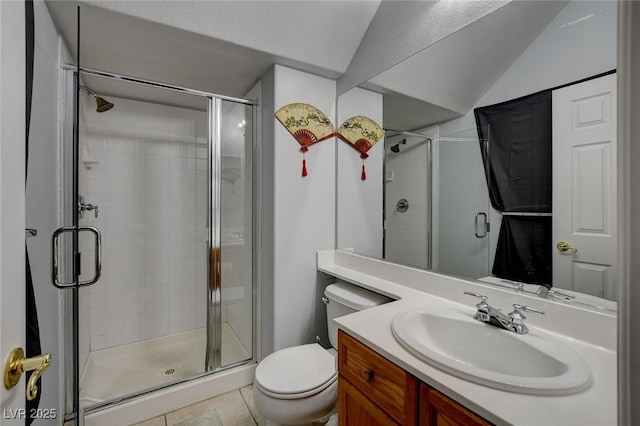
<point>82,207</point>
<point>92,207</point>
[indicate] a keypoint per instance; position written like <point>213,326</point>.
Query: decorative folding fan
<point>361,133</point>
<point>307,124</point>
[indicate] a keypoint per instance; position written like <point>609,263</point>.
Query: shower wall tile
<point>151,188</point>
<point>406,236</point>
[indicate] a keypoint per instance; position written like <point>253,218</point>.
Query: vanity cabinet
<point>373,391</point>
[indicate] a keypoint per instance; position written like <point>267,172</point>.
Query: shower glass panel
<point>461,239</point>
<point>143,172</point>
<point>236,192</point>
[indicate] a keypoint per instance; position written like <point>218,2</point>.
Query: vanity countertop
<point>595,406</point>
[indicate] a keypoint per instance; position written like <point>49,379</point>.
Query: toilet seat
<point>296,372</point>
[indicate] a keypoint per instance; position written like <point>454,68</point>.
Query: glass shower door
<point>165,173</point>
<point>143,173</point>
<point>170,186</point>
<point>463,208</point>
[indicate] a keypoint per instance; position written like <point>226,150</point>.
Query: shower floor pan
<point>127,369</point>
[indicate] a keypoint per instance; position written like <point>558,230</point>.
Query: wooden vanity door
<point>357,410</point>
<point>385,385</point>
<point>438,410</point>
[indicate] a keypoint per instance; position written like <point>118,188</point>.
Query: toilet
<point>299,385</point>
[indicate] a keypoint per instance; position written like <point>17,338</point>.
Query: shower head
<point>102,104</point>
<point>396,148</point>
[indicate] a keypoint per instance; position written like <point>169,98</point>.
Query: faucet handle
<point>527,309</point>
<point>478,295</point>
<point>517,316</point>
<point>483,300</point>
<point>560,294</point>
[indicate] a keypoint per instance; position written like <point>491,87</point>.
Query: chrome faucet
<point>512,322</point>
<point>548,292</point>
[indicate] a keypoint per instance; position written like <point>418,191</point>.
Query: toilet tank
<point>342,299</point>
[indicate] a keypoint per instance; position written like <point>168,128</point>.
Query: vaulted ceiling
<point>225,47</point>
<point>221,47</point>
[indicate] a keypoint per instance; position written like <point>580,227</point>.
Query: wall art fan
<point>307,124</point>
<point>361,133</point>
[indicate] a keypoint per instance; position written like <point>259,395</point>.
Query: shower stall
<point>162,179</point>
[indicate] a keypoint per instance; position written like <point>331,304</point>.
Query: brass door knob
<point>565,247</point>
<point>17,364</point>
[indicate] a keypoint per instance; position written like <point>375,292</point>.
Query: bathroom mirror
<point>435,163</point>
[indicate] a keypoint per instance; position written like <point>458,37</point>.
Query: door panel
<point>12,220</point>
<point>144,170</point>
<point>584,186</point>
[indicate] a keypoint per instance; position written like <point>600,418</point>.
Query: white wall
<point>359,209</point>
<point>629,181</point>
<point>302,214</point>
<point>265,219</point>
<point>634,292</point>
<point>579,43</point>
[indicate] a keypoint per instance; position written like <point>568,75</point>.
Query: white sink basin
<point>482,353</point>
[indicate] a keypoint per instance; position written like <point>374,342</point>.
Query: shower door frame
<point>212,358</point>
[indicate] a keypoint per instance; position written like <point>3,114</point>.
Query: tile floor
<point>235,408</point>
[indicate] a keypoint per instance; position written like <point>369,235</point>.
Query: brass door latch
<point>565,247</point>
<point>17,364</point>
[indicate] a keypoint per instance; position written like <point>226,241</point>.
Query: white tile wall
<point>406,234</point>
<point>151,188</point>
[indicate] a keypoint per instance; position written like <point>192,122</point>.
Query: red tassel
<point>363,176</point>
<point>304,168</point>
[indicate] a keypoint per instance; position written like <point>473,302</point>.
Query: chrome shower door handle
<point>476,225</point>
<point>55,254</point>
<point>97,255</point>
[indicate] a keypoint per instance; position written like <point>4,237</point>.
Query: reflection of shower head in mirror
<point>396,148</point>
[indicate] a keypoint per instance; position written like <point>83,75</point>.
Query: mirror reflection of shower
<point>407,177</point>
<point>102,104</point>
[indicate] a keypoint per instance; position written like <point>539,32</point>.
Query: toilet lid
<point>296,370</point>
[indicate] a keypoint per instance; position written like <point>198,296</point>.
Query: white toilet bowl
<point>299,385</point>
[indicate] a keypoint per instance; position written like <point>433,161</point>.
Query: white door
<point>12,218</point>
<point>584,187</point>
